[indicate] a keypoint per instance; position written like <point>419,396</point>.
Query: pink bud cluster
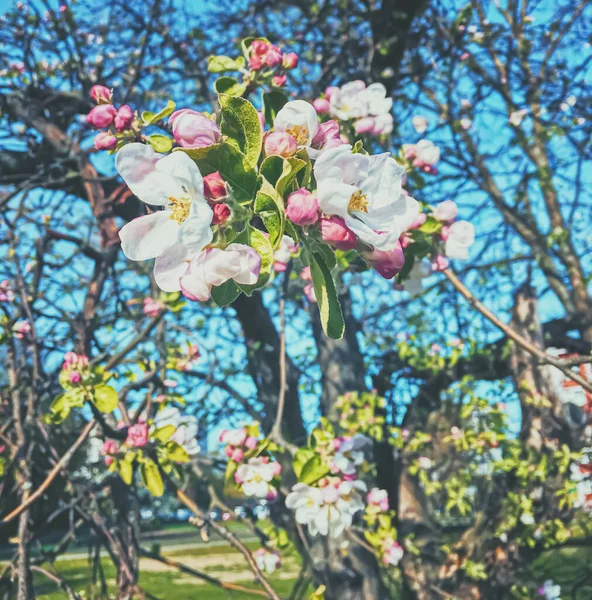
<point>6,293</point>
<point>392,552</point>
<point>105,115</point>
<point>186,362</point>
<point>21,329</point>
<point>237,443</point>
<point>152,308</point>
<point>110,447</point>
<point>309,292</point>
<point>264,56</point>
<point>137,436</point>
<point>76,366</point>
<point>215,191</point>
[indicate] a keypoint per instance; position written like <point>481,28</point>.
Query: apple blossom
<point>332,89</point>
<point>182,228</point>
<point>378,500</point>
<point>137,436</point>
<point>420,124</point>
<point>461,236</point>
<point>446,211</point>
<point>101,94</point>
<point>290,60</point>
<point>364,125</point>
<point>440,263</point>
<point>350,454</point>
<point>222,213</point>
<point>550,591</point>
<point>300,120</point>
<point>413,284</point>
<point>124,118</point>
<point>152,308</point>
<point>425,152</point>
<point>186,428</point>
<point>302,207</point>
<point>334,231</point>
<point>6,293</point>
<point>214,266</point>
<point>346,102</point>
<point>517,116</point>
<point>327,136</point>
<point>392,553</point>
<point>255,476</point>
<point>266,561</point>
<point>310,293</point>
<point>280,143</point>
<point>279,80</point>
<point>101,116</point>
<point>21,329</point>
<point>386,262</point>
<point>282,255</point>
<point>237,455</point>
<point>251,442</point>
<point>273,56</point>
<point>365,191</point>
<point>215,188</point>
<point>424,462</point>
<point>105,141</point>
<point>192,129</point>
<point>109,447</point>
<point>235,437</point>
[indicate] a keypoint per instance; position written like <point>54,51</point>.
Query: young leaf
<point>163,434</point>
<point>230,86</point>
<point>177,453</point>
<point>151,477</point>
<point>220,64</point>
<point>313,470</point>
<point>225,294</point>
<point>160,143</point>
<point>149,118</point>
<point>273,102</point>
<point>126,471</point>
<point>241,122</point>
<point>105,398</point>
<point>270,207</point>
<point>291,168</point>
<point>324,287</point>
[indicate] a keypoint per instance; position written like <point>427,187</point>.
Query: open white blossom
<point>350,453</point>
<point>255,476</point>
<point>300,120</point>
<point>460,238</point>
<point>365,191</point>
<point>186,428</point>
<point>414,283</point>
<point>175,233</point>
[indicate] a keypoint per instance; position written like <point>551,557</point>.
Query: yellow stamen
<point>179,208</point>
<point>358,202</point>
<point>299,133</point>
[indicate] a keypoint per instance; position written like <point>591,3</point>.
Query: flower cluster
<point>6,292</point>
<point>367,108</point>
<point>267,561</point>
<point>105,116</point>
<point>267,62</point>
<point>255,477</point>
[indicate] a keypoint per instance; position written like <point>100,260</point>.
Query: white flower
<point>300,120</point>
<point>446,211</point>
<point>182,228</point>
<point>517,116</point>
<point>392,553</point>
<point>346,102</point>
<point>350,454</point>
<point>527,518</point>
<point>550,591</point>
<point>215,267</point>
<point>466,123</point>
<point>419,271</point>
<point>186,428</point>
<point>365,191</point>
<point>374,97</point>
<point>328,510</point>
<point>424,462</point>
<point>282,255</point>
<point>254,477</point>
<point>267,561</point>
<point>420,124</point>
<point>461,236</point>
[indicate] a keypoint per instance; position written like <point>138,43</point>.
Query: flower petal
<point>169,267</point>
<point>195,233</point>
<point>180,166</point>
<point>149,236</point>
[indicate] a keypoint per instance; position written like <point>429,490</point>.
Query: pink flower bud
<point>321,105</point>
<point>229,451</point>
<point>237,455</point>
<point>279,80</point>
<point>280,143</point>
<point>137,436</point>
<point>364,125</point>
<point>70,357</point>
<point>446,211</point>
<point>192,129</point>
<point>445,233</point>
<point>74,377</point>
<point>221,214</point>
<point>255,63</point>
<point>238,478</point>
<point>310,293</point>
<point>124,118</point>
<point>105,141</point>
<point>272,494</point>
<point>290,60</point>
<point>330,91</point>
<point>259,47</point>
<point>303,207</point>
<point>421,219</point>
<point>387,262</point>
<point>277,468</point>
<point>101,116</point>
<point>261,119</point>
<point>251,442</point>
<point>336,443</point>
<point>110,447</point>
<point>335,232</point>
<point>273,56</point>
<point>214,187</point>
<point>440,263</point>
<point>101,94</point>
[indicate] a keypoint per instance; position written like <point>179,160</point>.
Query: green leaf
<point>302,457</point>
<point>151,477</point>
<point>105,398</point>
<point>225,294</point>
<point>160,143</point>
<point>59,409</point>
<point>431,225</point>
<point>273,102</point>
<point>232,164</point>
<point>241,122</point>
<point>326,294</point>
<point>291,167</point>
<point>313,470</point>
<point>230,86</point>
<point>126,471</point>
<point>270,207</point>
<point>177,453</point>
<point>272,168</point>
<point>220,64</point>
<point>149,118</point>
<point>163,434</point>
